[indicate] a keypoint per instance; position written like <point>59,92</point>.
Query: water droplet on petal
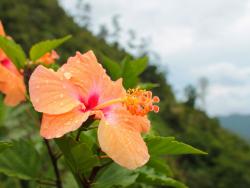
<point>67,75</point>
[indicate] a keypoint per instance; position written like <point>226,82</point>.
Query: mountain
<point>239,124</point>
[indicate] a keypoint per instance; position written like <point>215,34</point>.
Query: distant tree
<point>83,14</point>
<point>191,95</point>
<point>203,88</point>
<point>143,47</point>
<point>116,27</point>
<point>139,47</point>
<point>131,39</point>
<point>103,32</point>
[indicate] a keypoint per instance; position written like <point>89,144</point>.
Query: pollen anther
<point>140,102</point>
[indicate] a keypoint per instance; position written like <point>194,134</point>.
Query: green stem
<point>95,170</point>
<point>84,127</point>
<point>54,163</point>
<point>52,156</point>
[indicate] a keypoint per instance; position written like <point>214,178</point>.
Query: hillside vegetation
<point>228,160</point>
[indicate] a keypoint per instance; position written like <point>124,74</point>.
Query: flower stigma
<point>137,101</point>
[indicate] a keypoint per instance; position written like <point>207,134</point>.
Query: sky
<point>194,39</point>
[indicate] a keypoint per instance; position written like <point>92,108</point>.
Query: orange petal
<point>50,93</point>
<point>120,139</point>
<point>54,54</point>
<point>7,63</point>
<point>126,120</point>
<point>12,86</point>
<point>48,58</point>
<point>112,90</point>
<point>2,55</point>
<point>55,126</point>
<point>91,77</point>
<point>2,33</point>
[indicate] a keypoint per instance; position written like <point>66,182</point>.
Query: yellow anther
<point>140,102</point>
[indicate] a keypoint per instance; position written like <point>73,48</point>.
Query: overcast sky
<point>194,38</point>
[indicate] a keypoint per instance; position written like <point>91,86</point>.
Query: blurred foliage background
<point>228,160</point>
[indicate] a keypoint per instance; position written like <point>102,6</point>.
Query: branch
<point>58,155</point>
<point>78,135</point>
<point>95,170</point>
<point>54,163</point>
<point>45,183</point>
<point>84,181</point>
<point>52,157</point>
<point>85,126</point>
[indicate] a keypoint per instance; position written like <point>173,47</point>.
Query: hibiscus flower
<point>81,88</point>
<point>11,79</point>
<point>48,58</point>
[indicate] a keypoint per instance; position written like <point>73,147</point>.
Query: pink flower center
<point>91,102</point>
<point>6,63</point>
<point>10,66</point>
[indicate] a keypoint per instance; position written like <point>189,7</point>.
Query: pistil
<point>137,101</point>
<point>108,103</point>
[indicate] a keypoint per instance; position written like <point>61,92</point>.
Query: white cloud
<point>224,73</point>
<point>229,88</point>
<point>195,38</point>
<point>180,39</point>
<point>224,99</point>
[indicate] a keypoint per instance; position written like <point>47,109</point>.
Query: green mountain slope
<point>226,165</point>
<point>236,123</point>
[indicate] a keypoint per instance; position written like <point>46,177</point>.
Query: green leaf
<point>41,48</point>
<point>124,61</point>
<point>131,70</point>
<point>4,145</point>
<point>130,82</point>
<point>139,65</point>
<point>3,110</point>
<point>14,51</point>
<point>160,165</point>
<point>78,156</point>
<point>21,160</point>
<point>84,158</point>
<point>113,68</point>
<point>148,86</point>
<point>140,185</point>
<point>150,177</point>
<point>114,175</point>
<point>14,120</point>
<point>158,145</point>
<point>90,138</point>
<point>54,66</point>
